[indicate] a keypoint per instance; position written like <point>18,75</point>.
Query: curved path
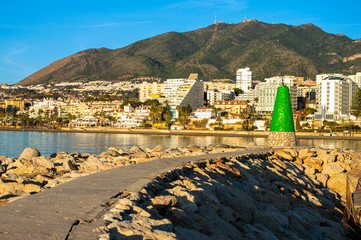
<point>52,214</point>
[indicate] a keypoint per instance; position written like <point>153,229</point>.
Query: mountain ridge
<point>215,51</point>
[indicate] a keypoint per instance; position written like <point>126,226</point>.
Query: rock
<point>135,149</point>
<point>322,178</point>
<point>43,161</point>
<point>66,166</point>
<point>184,233</point>
<point>161,202</point>
<point>314,163</point>
<point>305,153</point>
<point>332,168</point>
<point>105,155</point>
<point>2,169</point>
<point>310,171</point>
<point>284,154</point>
<point>139,154</point>
<point>337,183</point>
<point>29,153</point>
<point>185,199</point>
<point>141,211</point>
<point>31,188</point>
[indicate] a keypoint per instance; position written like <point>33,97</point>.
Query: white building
<point>334,98</point>
<point>190,92</point>
<point>219,86</point>
<point>249,96</point>
<point>356,78</point>
<point>171,87</point>
<point>267,92</point>
<point>147,89</point>
<point>214,96</point>
<point>244,79</point>
<point>203,113</point>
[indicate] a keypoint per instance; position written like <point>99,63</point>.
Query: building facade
<point>267,92</point>
<point>334,98</point>
<point>244,79</point>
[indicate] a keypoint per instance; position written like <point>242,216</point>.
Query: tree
<point>237,91</point>
<point>168,118</point>
<point>309,110</point>
<point>356,105</point>
<point>219,122</point>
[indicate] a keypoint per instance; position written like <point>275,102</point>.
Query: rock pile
<point>31,172</point>
<point>275,195</point>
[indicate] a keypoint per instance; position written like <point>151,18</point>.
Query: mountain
<point>216,51</point>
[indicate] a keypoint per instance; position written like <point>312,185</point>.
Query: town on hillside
<point>330,103</point>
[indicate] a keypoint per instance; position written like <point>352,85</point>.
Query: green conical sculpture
<point>282,118</point>
<point>282,131</point>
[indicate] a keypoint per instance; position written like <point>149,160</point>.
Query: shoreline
<point>215,133</point>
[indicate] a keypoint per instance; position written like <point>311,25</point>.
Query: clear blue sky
<point>35,33</point>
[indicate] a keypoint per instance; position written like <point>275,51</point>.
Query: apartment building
<point>219,86</point>
<point>190,92</point>
<point>244,79</point>
<point>214,95</point>
<point>267,92</point>
<point>334,97</point>
<point>147,89</point>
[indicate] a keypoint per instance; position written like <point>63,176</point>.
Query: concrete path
<point>52,213</point>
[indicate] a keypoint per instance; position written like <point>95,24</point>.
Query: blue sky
<point>36,33</point>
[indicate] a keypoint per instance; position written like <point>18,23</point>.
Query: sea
<point>12,143</point>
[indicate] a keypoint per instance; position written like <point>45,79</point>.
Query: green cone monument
<point>282,131</point>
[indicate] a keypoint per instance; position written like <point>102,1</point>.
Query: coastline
<point>255,134</point>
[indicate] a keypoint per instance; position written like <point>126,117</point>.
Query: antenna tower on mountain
<point>215,17</point>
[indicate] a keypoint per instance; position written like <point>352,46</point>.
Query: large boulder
<point>314,163</point>
<point>29,153</point>
<point>305,153</point>
<point>337,183</point>
<point>332,168</point>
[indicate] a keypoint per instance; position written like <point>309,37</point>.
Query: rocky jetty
<point>31,172</point>
<point>284,194</point>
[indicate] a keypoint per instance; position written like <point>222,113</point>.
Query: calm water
<point>12,143</point>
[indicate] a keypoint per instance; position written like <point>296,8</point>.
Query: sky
<point>35,33</point>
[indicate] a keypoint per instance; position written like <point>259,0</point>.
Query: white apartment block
<point>334,98</point>
<point>219,86</point>
<point>214,96</point>
<point>249,96</point>
<point>190,92</point>
<point>244,79</point>
<point>356,78</point>
<point>147,89</point>
<point>267,92</point>
<point>171,87</point>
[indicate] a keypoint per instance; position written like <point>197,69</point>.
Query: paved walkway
<point>52,213</point>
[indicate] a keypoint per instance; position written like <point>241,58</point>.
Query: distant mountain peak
<point>215,51</point>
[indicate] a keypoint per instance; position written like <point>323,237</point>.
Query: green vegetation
<point>356,105</point>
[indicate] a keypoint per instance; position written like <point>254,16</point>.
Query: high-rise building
<point>171,87</point>
<point>334,98</point>
<point>190,92</point>
<point>244,79</point>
